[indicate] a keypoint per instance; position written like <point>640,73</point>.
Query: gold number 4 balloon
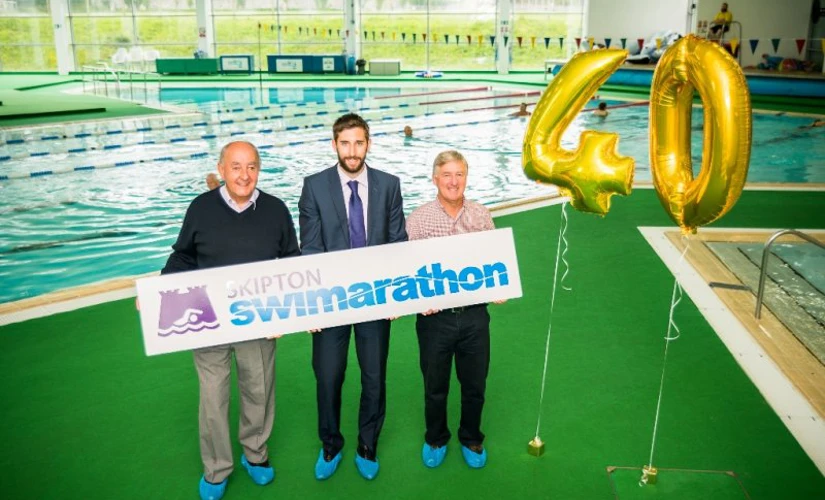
<point>595,171</point>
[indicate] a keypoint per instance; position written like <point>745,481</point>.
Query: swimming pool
<point>92,223</point>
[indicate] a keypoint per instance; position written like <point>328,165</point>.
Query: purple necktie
<point>357,233</point>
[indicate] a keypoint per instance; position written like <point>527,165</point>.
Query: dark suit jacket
<point>323,216</point>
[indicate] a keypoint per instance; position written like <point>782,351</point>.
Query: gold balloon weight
<point>649,475</point>
<point>536,447</point>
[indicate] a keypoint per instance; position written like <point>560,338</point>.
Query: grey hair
<point>447,156</point>
<point>226,147</point>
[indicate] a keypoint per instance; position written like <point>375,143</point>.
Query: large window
<point>547,29</point>
<point>26,36</point>
<point>454,34</point>
<point>423,34</point>
<point>271,27</point>
<point>105,30</point>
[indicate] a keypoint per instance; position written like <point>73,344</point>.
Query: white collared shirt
<point>234,206</point>
<point>363,191</point>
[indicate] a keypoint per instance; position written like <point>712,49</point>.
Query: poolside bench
<point>385,67</point>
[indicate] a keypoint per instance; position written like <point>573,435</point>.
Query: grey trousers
<point>255,361</point>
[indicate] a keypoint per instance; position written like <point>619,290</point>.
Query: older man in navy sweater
<point>234,224</point>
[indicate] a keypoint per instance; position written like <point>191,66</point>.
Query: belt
<point>459,310</point>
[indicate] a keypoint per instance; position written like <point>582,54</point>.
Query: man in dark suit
<point>350,205</point>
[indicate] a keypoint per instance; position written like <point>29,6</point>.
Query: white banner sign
<point>209,307</point>
<point>235,63</point>
<point>289,65</point>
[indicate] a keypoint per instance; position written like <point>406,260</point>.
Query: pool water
<point>76,228</point>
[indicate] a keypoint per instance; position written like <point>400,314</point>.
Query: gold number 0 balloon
<point>594,171</point>
<point>696,63</point>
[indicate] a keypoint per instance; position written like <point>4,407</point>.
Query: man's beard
<point>343,162</point>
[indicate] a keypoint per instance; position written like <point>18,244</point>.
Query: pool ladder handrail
<point>104,70</point>
<point>145,74</point>
<point>766,253</point>
<point>101,69</point>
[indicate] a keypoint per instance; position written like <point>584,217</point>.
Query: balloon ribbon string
<point>673,333</point>
<point>563,237</point>
<point>559,257</point>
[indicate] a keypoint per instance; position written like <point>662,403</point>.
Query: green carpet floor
<point>86,415</point>
<point>51,105</point>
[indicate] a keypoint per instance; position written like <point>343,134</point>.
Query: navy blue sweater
<point>215,235</point>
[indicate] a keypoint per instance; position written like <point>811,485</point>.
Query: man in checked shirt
<point>461,332</point>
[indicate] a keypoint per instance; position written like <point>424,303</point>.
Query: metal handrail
<point>97,69</point>
<point>766,253</point>
<point>102,69</point>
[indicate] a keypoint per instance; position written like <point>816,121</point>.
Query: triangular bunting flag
<point>533,42</point>
<point>339,33</point>
<point>382,35</point>
<point>505,40</point>
<point>414,36</point>
<point>373,36</point>
<point>547,42</point>
<point>403,37</point>
<point>800,42</point>
<point>365,35</point>
<point>456,39</point>
<point>271,27</point>
<point>480,39</point>
<point>624,42</point>
<point>447,39</point>
<point>434,38</point>
<point>393,36</point>
<point>590,43</point>
<point>424,37</point>
<point>330,32</point>
<point>492,39</point>
<point>561,42</point>
<point>775,43</point>
<point>734,42</point>
<point>285,28</point>
<point>658,43</point>
<point>607,42</point>
<point>469,39</point>
<point>300,30</point>
<point>519,40</point>
<point>641,42</point>
<point>578,43</point>
<point>314,31</point>
<point>754,43</point>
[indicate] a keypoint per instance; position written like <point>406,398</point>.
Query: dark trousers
<point>330,348</point>
<point>716,27</point>
<point>465,335</point>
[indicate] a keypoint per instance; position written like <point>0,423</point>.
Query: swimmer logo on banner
<point>217,306</point>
